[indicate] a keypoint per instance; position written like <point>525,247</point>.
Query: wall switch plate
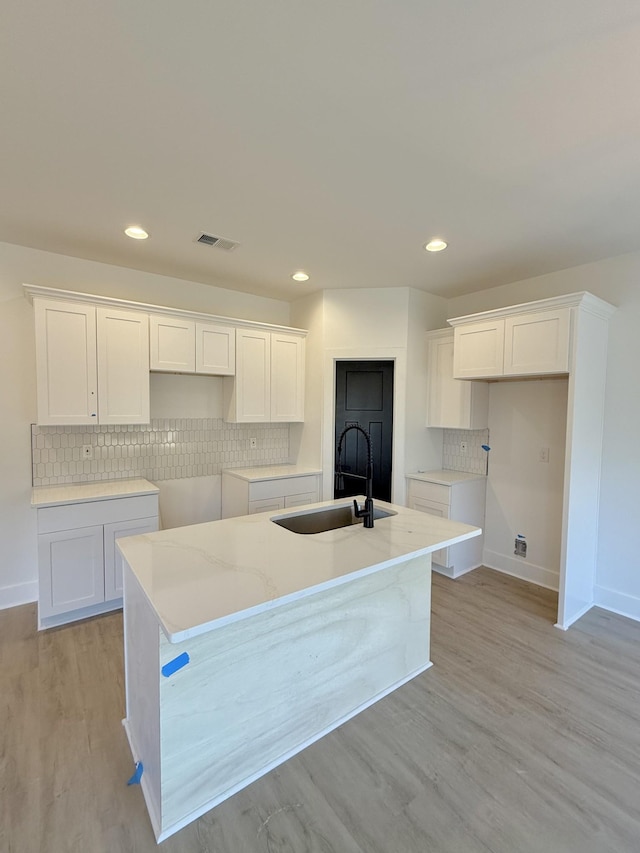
<point>463,447</point>
<point>253,443</point>
<point>87,451</point>
<point>544,454</point>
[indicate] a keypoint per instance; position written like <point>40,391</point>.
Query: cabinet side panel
<point>585,425</point>
<point>235,496</point>
<point>257,691</point>
<point>142,673</point>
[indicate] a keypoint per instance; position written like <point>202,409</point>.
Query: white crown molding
<point>582,299</point>
<point>37,290</point>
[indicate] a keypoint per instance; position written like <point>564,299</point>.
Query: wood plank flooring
<point>520,739</point>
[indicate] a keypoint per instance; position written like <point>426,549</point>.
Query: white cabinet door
<point>537,343</point>
<point>113,558</point>
<point>287,378</point>
<point>123,366</point>
<point>71,570</point>
<point>172,343</point>
<point>478,350</point>
<point>441,557</point>
<point>66,362</point>
<point>215,349</point>
<point>452,403</point>
<point>266,505</point>
<point>252,384</point>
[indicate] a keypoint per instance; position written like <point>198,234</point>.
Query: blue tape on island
<point>135,779</point>
<point>175,664</point>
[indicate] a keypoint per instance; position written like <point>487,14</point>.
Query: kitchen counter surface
<point>101,490</point>
<point>202,577</point>
<point>445,478</point>
<point>270,472</point>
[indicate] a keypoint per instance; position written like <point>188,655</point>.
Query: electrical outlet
<point>463,447</point>
<point>253,443</point>
<point>87,451</point>
<point>544,454</point>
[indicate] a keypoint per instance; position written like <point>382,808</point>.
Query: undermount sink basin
<point>327,518</point>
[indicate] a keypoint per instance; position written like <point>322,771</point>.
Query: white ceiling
<point>336,136</point>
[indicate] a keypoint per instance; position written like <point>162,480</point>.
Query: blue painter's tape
<point>135,779</point>
<point>175,664</point>
<point>486,447</point>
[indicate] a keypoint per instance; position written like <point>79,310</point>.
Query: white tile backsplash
<point>167,449</point>
<point>474,461</point>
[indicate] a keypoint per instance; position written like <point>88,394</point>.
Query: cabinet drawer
<point>300,500</point>
<point>430,491</point>
<point>283,486</point>
<point>70,516</point>
<point>266,505</point>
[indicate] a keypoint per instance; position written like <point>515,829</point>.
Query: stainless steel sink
<point>328,518</point>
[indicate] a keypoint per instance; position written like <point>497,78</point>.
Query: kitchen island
<point>245,642</point>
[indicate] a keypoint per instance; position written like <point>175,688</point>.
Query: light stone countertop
<point>99,490</point>
<point>205,576</point>
<point>270,472</point>
<point>444,477</point>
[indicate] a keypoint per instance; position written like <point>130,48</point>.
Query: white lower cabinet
<point>461,499</point>
<point>79,566</point>
<point>112,557</point>
<point>242,495</point>
<point>71,566</point>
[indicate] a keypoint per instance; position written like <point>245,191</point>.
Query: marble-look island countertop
<point>100,490</point>
<point>204,576</point>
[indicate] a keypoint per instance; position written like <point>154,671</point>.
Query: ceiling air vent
<point>218,242</point>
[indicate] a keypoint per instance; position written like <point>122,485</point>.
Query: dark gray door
<point>364,395</point>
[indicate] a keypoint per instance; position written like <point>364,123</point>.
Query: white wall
<point>524,494</point>
<point>423,447</point>
<point>386,323</point>
<point>20,265</point>
<point>194,499</point>
<point>616,280</point>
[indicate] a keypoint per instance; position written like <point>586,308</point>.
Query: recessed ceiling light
<point>435,245</point>
<point>300,276</point>
<point>136,232</point>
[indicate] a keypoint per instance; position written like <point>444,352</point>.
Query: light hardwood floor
<point>520,739</point>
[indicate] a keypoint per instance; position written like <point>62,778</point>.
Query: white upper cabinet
<point>172,343</point>
<point>94,357</point>
<point>181,345</point>
<point>479,350</point>
<point>123,366</point>
<point>66,366</point>
<point>215,349</point>
<point>452,403</point>
<point>92,364</point>
<point>287,378</point>
<point>537,343</point>
<point>520,343</point>
<point>269,383</point>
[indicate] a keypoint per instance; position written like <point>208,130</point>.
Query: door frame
<point>398,355</point>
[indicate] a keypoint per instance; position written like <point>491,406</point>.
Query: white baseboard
<point>450,571</point>
<point>20,593</point>
<point>617,602</point>
<point>521,569</point>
